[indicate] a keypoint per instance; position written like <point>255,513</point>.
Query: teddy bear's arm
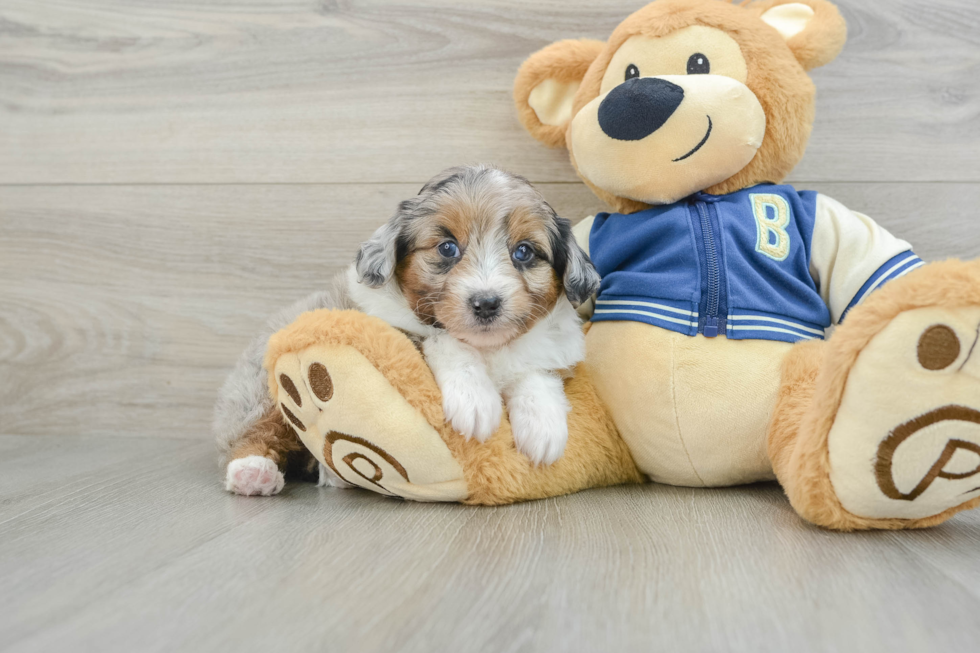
<point>851,256</point>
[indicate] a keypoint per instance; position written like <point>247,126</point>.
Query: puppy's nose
<point>638,107</point>
<point>485,307</point>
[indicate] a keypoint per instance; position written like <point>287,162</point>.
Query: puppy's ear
<point>579,276</point>
<point>814,29</point>
<point>546,85</point>
<point>376,260</point>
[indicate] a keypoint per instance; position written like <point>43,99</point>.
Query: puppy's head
<point>479,253</point>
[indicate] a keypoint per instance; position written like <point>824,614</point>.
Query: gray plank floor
<point>171,172</point>
<point>124,544</point>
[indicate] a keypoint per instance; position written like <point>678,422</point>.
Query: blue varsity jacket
<point>739,265</point>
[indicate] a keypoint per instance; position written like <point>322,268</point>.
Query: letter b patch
<point>771,218</point>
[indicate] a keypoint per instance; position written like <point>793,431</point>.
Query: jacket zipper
<point>710,328</point>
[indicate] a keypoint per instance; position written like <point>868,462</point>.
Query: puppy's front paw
<point>473,408</point>
<point>539,419</point>
<point>539,435</point>
<point>254,475</point>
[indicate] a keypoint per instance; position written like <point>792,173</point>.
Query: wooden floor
<point>171,172</point>
<point>122,544</point>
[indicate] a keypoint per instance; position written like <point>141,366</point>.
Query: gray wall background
<point>172,172</point>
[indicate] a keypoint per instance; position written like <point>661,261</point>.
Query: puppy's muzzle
<point>486,308</point>
<point>638,107</point>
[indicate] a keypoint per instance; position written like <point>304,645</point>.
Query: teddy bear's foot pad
<point>906,440</point>
<point>354,421</point>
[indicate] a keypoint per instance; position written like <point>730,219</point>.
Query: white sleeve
<point>851,256</point>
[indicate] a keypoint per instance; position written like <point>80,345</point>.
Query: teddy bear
<point>744,331</point>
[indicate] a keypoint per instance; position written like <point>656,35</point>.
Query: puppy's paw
<point>474,408</point>
<point>538,413</point>
<point>541,435</point>
<point>254,475</point>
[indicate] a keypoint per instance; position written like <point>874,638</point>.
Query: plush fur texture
<point>496,473</point>
<point>776,76</point>
<point>824,36</point>
<point>815,376</point>
<point>564,62</point>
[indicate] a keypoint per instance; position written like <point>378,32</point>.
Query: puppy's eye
<point>631,72</point>
<point>698,64</point>
<point>523,253</point>
<point>448,249</point>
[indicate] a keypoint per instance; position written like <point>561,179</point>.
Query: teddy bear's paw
<point>905,443</point>
<point>254,476</point>
<point>328,478</point>
<point>361,429</point>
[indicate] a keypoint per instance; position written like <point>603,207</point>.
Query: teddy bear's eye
<point>698,64</point>
<point>632,71</point>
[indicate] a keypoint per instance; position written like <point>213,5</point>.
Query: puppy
<point>484,276</point>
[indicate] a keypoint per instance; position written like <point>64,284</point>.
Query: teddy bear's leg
<point>351,415</point>
<point>362,399</point>
<point>880,426</point>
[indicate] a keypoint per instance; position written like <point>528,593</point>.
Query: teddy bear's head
<point>685,96</point>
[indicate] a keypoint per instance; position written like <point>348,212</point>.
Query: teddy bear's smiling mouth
<point>697,147</point>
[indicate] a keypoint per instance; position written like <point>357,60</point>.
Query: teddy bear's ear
<point>814,29</point>
<point>546,85</point>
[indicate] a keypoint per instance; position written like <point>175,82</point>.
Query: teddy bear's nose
<point>638,107</point>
